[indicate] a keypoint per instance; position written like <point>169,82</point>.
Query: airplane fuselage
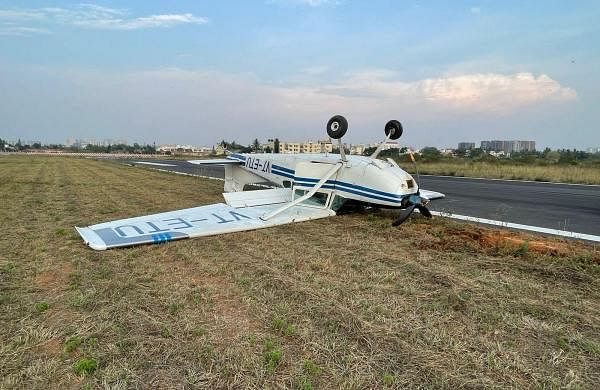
<point>361,178</point>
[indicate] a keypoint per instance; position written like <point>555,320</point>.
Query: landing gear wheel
<point>337,127</point>
<point>395,128</point>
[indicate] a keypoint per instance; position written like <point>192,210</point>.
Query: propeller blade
<point>424,211</point>
<point>404,214</point>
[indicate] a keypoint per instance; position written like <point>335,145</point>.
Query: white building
<point>321,146</point>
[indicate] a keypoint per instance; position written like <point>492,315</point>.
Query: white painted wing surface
<point>193,222</point>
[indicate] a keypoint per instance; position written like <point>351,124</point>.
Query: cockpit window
<point>318,199</point>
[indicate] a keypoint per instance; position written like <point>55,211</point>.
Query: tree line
<point>544,157</point>
<point>116,148</point>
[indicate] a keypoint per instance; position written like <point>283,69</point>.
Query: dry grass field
<point>584,174</point>
<point>347,302</point>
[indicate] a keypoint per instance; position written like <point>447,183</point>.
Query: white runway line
<point>153,163</point>
<point>555,232</point>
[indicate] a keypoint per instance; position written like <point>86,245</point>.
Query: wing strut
<point>310,193</point>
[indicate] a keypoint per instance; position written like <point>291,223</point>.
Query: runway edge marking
<point>538,229</point>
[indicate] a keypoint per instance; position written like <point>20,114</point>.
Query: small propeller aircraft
<point>306,187</point>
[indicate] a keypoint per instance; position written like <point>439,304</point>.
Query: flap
<point>258,197</point>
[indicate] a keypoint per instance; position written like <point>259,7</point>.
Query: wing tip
<point>91,239</point>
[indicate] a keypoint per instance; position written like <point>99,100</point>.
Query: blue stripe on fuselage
<point>331,187</point>
<point>284,169</point>
<point>351,186</point>
<point>277,172</point>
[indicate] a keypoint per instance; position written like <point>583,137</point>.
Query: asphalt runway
<point>566,207</point>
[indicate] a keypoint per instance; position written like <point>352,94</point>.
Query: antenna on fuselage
<point>336,128</point>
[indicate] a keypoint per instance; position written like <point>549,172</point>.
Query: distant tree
<point>268,149</point>
<point>276,145</point>
<point>567,157</point>
<point>36,145</point>
<point>431,153</point>
<point>476,153</point>
<point>255,145</point>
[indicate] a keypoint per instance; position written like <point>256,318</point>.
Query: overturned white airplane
<point>308,186</point>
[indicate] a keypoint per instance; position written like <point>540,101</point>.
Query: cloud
<point>494,92</point>
<point>176,105</point>
<point>97,17</point>
<point>481,93</point>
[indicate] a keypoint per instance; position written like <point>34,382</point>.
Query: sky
<point>197,72</point>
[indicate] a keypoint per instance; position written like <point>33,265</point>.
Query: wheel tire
<point>337,127</point>
<point>395,127</point>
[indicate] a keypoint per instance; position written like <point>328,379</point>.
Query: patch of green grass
<point>283,326</point>
<point>175,307</point>
<point>305,384</point>
<point>42,306</point>
<point>272,355</point>
<point>568,344</point>
<point>82,299</point>
<point>310,368</point>
<point>85,366</point>
<point>522,250</point>
<point>72,344</point>
<point>388,379</point>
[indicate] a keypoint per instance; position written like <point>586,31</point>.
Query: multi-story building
<point>322,146</point>
<point>466,145</point>
<point>508,147</point>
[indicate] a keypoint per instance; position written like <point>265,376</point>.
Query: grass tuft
<point>85,366</point>
<point>72,344</point>
<point>272,355</point>
<point>42,306</point>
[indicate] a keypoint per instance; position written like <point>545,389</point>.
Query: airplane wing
<point>243,212</point>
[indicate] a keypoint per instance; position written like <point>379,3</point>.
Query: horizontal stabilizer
<point>193,222</point>
<point>216,161</point>
<point>431,195</point>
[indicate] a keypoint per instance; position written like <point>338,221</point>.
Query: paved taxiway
<point>573,208</point>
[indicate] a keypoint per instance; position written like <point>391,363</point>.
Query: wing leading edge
<point>200,221</point>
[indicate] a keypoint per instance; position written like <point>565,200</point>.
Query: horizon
<point>190,73</point>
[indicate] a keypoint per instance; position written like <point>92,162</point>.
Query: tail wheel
<point>337,127</point>
<point>393,129</point>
